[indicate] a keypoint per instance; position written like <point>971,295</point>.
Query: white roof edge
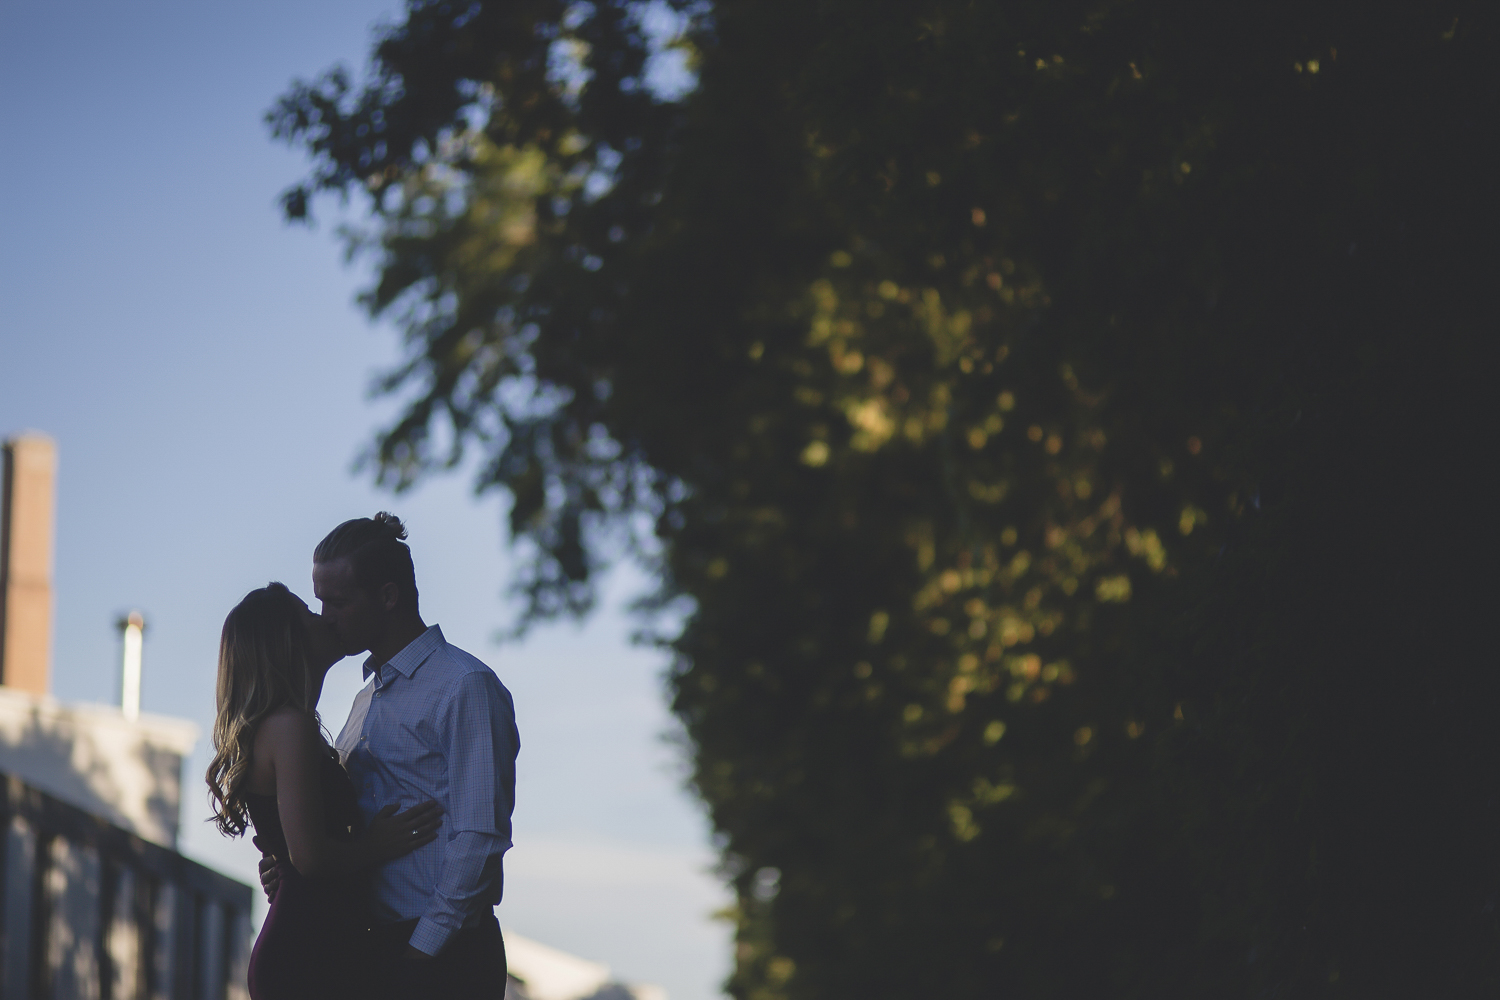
<point>174,734</point>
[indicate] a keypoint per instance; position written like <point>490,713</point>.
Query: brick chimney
<point>26,515</point>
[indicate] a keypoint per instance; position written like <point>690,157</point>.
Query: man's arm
<point>479,732</point>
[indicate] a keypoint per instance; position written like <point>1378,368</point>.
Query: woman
<point>273,768</point>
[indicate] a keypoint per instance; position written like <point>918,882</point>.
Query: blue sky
<point>205,373</point>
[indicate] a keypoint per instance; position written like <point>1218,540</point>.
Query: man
<point>432,723</point>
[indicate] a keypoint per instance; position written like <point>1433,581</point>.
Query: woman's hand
<point>391,834</point>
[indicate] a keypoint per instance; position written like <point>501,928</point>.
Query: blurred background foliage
<point>1067,425</point>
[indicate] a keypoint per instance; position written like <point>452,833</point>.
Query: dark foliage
<point>1066,421</point>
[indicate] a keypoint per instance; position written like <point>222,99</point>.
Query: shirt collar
<point>413,656</point>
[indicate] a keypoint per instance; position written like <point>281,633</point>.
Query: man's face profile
<point>354,611</point>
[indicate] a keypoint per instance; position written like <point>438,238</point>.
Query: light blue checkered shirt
<point>436,723</point>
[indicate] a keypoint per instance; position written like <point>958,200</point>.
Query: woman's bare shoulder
<point>287,719</point>
<point>284,731</point>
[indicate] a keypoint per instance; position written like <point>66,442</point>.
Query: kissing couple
<point>382,853</point>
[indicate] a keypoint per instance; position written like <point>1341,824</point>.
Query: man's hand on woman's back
<point>270,878</point>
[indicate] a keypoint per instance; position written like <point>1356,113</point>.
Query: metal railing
<point>89,911</point>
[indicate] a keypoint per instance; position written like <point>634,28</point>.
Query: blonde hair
<point>263,666</point>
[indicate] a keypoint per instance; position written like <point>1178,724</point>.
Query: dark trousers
<point>472,965</point>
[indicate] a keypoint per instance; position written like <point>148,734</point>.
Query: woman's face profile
<point>323,647</point>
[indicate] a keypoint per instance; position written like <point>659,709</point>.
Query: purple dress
<point>315,941</point>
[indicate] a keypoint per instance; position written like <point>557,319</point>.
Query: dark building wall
<point>88,910</point>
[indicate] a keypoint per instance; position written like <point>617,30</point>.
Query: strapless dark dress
<point>315,941</point>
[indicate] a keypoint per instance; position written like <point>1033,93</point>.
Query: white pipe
<point>130,684</point>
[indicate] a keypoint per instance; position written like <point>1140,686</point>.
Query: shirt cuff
<point>430,937</point>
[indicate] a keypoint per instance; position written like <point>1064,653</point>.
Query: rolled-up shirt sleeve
<point>478,730</point>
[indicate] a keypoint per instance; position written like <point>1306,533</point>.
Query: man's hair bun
<point>391,524</point>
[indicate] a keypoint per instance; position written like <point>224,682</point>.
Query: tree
<point>1006,387</point>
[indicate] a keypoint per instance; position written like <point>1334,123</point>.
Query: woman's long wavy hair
<point>263,666</point>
